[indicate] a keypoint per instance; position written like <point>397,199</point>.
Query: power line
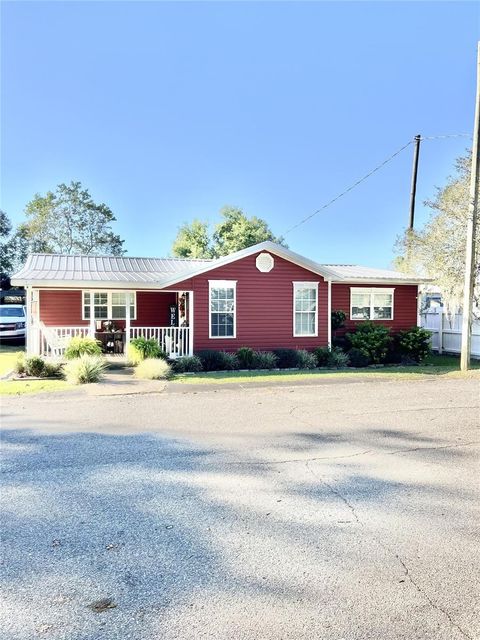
<point>370,173</point>
<point>355,184</point>
<point>447,135</point>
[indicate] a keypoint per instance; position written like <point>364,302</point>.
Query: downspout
<point>329,314</point>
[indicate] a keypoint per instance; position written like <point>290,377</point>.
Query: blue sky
<point>168,111</point>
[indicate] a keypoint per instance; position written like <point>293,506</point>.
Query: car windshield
<point>11,312</point>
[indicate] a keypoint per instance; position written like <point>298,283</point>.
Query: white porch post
<point>91,329</point>
<point>29,321</point>
<point>329,313</point>
<point>127,318</point>
<point>190,323</point>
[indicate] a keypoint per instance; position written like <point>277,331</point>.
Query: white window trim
<point>371,291</point>
<point>109,305</point>
<point>311,285</point>
<point>225,284</point>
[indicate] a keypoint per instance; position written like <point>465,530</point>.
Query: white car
<point>12,322</point>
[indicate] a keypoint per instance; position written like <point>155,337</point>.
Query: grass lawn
<point>433,365</point>
<point>8,357</point>
<point>9,354</point>
<point>20,387</point>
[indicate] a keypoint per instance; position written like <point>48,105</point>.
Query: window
<point>371,304</point>
<point>222,308</point>
<point>305,309</point>
<point>109,305</point>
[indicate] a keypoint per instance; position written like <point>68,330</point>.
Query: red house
<point>262,297</point>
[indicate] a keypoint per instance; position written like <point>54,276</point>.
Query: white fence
<point>447,331</point>
<point>52,341</point>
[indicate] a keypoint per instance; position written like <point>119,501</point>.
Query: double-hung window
<point>223,307</point>
<point>371,304</point>
<point>305,309</point>
<point>108,305</point>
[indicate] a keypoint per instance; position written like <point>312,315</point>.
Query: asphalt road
<point>332,512</point>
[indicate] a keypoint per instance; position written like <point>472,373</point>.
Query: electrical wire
<point>370,173</point>
<point>447,135</point>
<point>355,184</point>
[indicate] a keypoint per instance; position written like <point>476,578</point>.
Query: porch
<point>51,341</point>
<point>114,318</point>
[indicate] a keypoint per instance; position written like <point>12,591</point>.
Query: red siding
<point>61,308</point>
<point>153,309</point>
<point>404,305</point>
<point>264,306</point>
<point>64,308</point>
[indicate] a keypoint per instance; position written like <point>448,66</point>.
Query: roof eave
<point>416,281</point>
<point>86,284</point>
<point>272,247</point>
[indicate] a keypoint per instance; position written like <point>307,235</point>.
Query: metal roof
<point>157,273</point>
<point>106,269</point>
<point>355,272</point>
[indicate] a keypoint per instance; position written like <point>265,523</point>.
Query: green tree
<point>235,232</point>
<point>69,221</point>
<point>5,247</point>
<point>438,249</point>
<point>193,241</point>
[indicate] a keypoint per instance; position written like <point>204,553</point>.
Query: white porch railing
<point>175,341</point>
<point>52,341</point>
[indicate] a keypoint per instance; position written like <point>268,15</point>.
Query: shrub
<point>286,358</point>
<point>80,346</point>
<point>34,366</point>
<point>264,360</point>
<point>85,369</point>
<point>358,358</point>
<point>230,361</point>
<point>141,348</point>
<point>322,354</point>
<point>414,343</point>
<point>306,359</point>
<point>337,319</point>
<point>19,367</point>
<point>218,360</point>
<point>338,359</point>
<point>153,369</point>
<point>245,357</point>
<point>52,370</point>
<point>187,364</point>
<point>372,339</point>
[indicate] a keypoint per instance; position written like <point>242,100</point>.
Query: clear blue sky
<point>168,111</point>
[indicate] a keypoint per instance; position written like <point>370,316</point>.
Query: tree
<point>193,241</point>
<point>235,232</point>
<point>438,249</point>
<point>69,221</point>
<point>7,250</point>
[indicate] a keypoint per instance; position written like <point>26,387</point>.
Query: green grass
<point>433,365</point>
<point>21,387</point>
<point>8,356</point>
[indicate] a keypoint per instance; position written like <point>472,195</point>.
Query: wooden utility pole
<point>470,254</point>
<point>413,191</point>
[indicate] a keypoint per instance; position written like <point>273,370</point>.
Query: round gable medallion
<point>265,262</point>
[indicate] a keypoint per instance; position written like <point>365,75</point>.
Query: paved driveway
<point>335,511</point>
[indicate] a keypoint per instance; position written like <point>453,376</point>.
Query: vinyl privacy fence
<point>447,331</point>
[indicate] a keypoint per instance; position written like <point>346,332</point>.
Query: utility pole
<point>470,257</point>
<point>413,191</point>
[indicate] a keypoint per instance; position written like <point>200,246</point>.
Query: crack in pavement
<point>404,566</point>
<point>433,604</point>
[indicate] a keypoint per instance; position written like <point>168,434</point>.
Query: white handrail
<point>175,341</point>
